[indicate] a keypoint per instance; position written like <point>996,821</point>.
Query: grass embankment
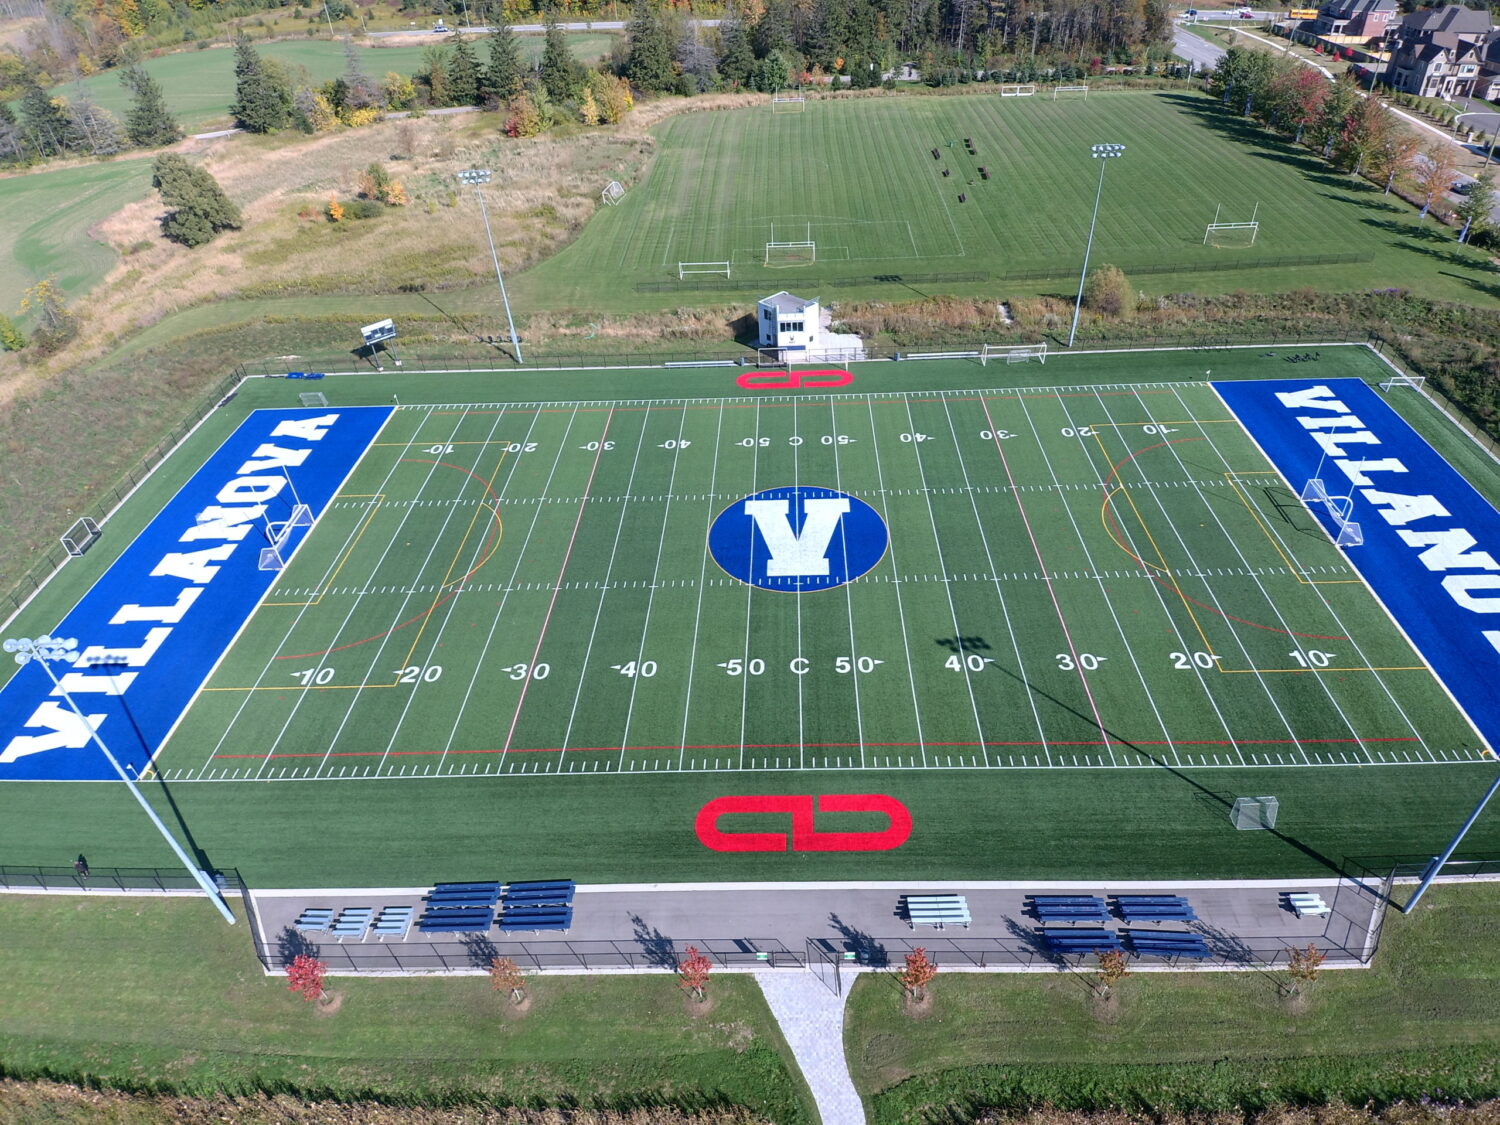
<point>159,996</point>
<point>1424,1022</point>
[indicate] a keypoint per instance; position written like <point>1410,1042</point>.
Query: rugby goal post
<point>800,250</point>
<point>788,101</point>
<point>684,269</point>
<point>613,192</point>
<point>1338,508</point>
<point>1017,91</point>
<point>1230,235</point>
<point>1013,353</point>
<point>80,537</point>
<point>1070,91</point>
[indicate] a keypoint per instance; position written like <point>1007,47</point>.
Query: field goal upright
<point>784,252</point>
<point>1230,235</point>
<point>788,101</point>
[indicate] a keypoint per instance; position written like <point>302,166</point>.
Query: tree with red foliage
<point>1305,92</point>
<point>305,975</point>
<point>918,973</point>
<point>694,972</point>
<point>1366,127</point>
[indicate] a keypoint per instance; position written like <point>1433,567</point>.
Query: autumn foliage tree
<point>1435,174</point>
<point>1302,966</point>
<point>693,973</point>
<point>918,973</point>
<point>505,976</point>
<point>305,975</point>
<point>1111,970</point>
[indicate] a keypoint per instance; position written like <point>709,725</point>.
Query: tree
<point>397,91</point>
<point>1302,966</point>
<point>202,208</point>
<point>1366,127</point>
<point>736,58</point>
<point>697,61</point>
<point>505,976</point>
<point>96,129</point>
<point>1108,293</point>
<point>1395,156</point>
<point>262,104</point>
<point>360,91</point>
<point>1111,970</point>
<point>334,210</point>
<point>649,65</point>
<point>463,72</point>
<point>524,119</point>
<point>50,304</point>
<point>562,77</point>
<point>11,338</point>
<point>611,96</point>
<point>314,112</point>
<point>305,975</point>
<point>1328,128</point>
<point>770,74</point>
<point>149,123</point>
<point>1241,79</point>
<point>12,143</point>
<point>1475,209</point>
<point>505,75</point>
<point>44,121</point>
<point>694,973</point>
<point>1435,173</point>
<point>918,973</point>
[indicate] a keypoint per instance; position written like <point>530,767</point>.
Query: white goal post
<point>1415,382</point>
<point>1338,507</point>
<point>1232,234</point>
<point>686,268</point>
<point>1013,353</point>
<point>80,537</point>
<point>613,192</point>
<point>1084,90</point>
<point>788,101</point>
<point>1017,91</point>
<point>799,253</point>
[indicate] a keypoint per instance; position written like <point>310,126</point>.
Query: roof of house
<point>786,302</point>
<point>1454,18</point>
<point>1353,9</point>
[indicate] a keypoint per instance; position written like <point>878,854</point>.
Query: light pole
<point>45,649</point>
<point>477,176</point>
<point>1104,154</point>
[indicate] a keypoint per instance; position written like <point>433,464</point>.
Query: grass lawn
<point>157,994</point>
<point>45,219</point>
<point>1423,1019</point>
<point>860,179</point>
<point>199,84</point>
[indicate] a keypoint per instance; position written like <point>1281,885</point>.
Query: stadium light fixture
<point>1103,154</point>
<point>44,650</point>
<point>477,176</point>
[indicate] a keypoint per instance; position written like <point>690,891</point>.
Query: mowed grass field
<point>199,85</point>
<point>858,178</point>
<point>1100,619</point>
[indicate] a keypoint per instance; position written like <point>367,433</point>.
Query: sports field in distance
<point>858,178</point>
<point>1084,614</point>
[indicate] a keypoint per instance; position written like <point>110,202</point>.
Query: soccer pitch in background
<point>1084,614</point>
<point>1075,578</point>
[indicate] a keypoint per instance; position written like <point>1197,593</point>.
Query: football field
<point>997,622</point>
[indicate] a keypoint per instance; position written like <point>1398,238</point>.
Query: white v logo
<point>795,555</point>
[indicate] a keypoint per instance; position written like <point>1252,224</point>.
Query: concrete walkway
<point>812,1019</point>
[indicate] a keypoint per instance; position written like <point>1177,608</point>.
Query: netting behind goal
<point>782,254</point>
<point>80,537</point>
<point>1251,813</point>
<point>1013,353</point>
<point>613,192</point>
<point>1338,508</point>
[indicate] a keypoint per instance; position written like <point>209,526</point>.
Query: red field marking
<point>781,380</point>
<point>822,746</point>
<point>458,583</point>
<point>804,837</point>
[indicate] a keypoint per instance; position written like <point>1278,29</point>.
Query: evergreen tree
<point>463,72</point>
<point>148,123</point>
<point>649,66</point>
<point>359,91</point>
<point>736,58</point>
<point>774,30</point>
<point>202,208</point>
<point>505,76</point>
<point>97,130</point>
<point>262,102</point>
<point>44,123</point>
<point>562,77</point>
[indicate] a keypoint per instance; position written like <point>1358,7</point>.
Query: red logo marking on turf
<point>781,380</point>
<point>804,837</point>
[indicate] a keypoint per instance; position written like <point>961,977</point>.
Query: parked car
<point>440,27</point>
<point>1463,187</point>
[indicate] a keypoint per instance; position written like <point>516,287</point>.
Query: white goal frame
<point>810,246</point>
<point>279,532</point>
<point>80,537</point>
<point>1084,90</point>
<point>613,192</point>
<point>792,101</point>
<point>684,269</point>
<point>1316,492</point>
<point>1253,226</point>
<point>1415,382</point>
<point>1017,90</point>
<point>1013,353</point>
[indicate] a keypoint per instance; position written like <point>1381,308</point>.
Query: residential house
<point>1435,52</point>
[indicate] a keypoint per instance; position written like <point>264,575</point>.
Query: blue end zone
<point>1430,540</point>
<point>159,619</point>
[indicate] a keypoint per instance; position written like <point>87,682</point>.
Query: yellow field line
<point>369,516</point>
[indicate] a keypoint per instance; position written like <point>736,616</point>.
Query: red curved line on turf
<point>489,549</point>
<point>1109,514</point>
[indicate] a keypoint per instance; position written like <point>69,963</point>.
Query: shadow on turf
<point>1201,791</point>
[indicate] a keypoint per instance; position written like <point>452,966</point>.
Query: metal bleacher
<point>1080,939</point>
<point>460,908</point>
<point>1168,943</point>
<point>537,905</point>
<point>1154,908</point>
<point>1068,908</point>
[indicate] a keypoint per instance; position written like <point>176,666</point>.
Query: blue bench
<point>1168,943</point>
<point>936,910</point>
<point>352,921</point>
<point>560,918</point>
<point>537,898</point>
<point>1071,913</point>
<point>541,885</point>
<point>392,921</point>
<point>1158,914</point>
<point>313,919</point>
<point>1066,900</point>
<point>1082,941</point>
<point>441,888</point>
<point>456,921</point>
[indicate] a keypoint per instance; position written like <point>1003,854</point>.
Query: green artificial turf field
<point>1100,618</point>
<point>858,179</point>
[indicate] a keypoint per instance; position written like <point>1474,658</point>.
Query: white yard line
<point>801,695</point>
<point>854,674</point>
<point>749,592</point>
<point>687,703</point>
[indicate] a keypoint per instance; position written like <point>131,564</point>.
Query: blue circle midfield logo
<point>798,538</point>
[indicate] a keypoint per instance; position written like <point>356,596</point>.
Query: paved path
<point>812,1019</point>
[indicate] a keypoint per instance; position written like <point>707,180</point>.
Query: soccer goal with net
<point>1013,353</point>
<point>1230,235</point>
<point>788,101</point>
<point>791,247</point>
<point>684,269</point>
<point>1070,92</point>
<point>613,192</point>
<point>1415,382</point>
<point>1315,491</point>
<point>80,537</point>
<point>1017,91</point>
